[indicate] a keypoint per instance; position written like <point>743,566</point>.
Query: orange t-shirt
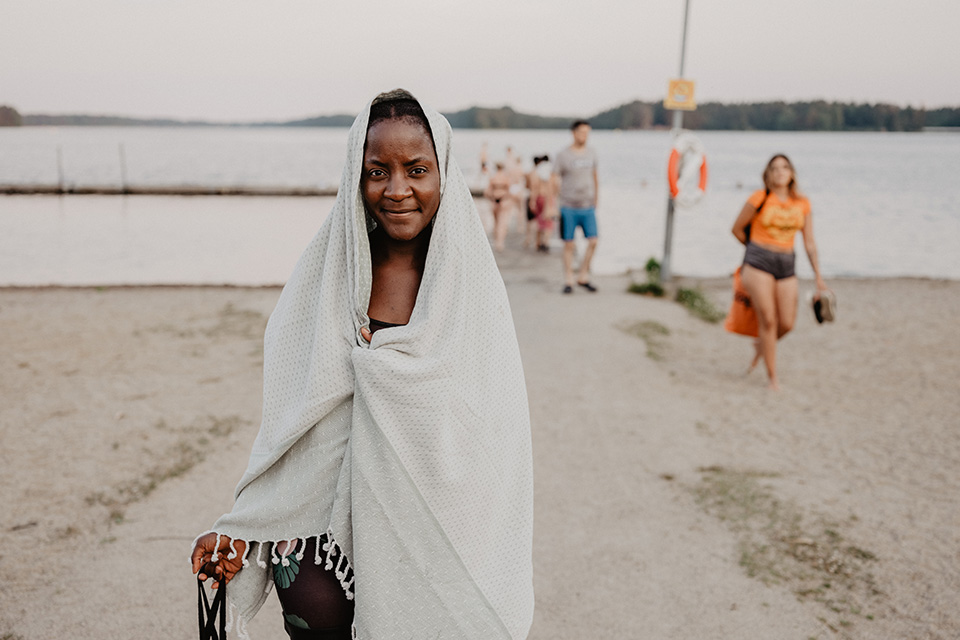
<point>778,221</point>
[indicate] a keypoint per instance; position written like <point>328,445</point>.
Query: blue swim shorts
<point>570,219</point>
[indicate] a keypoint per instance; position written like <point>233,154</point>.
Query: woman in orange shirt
<point>767,225</point>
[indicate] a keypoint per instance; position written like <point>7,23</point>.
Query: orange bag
<point>742,318</point>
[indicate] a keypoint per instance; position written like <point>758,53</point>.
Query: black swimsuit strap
<point>376,325</point>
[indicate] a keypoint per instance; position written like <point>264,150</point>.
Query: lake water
<point>885,204</point>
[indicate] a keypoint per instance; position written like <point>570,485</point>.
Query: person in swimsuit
<point>498,193</point>
<point>530,232</point>
<point>543,192</point>
<point>767,225</point>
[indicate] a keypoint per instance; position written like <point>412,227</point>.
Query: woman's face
<point>401,178</point>
<point>780,172</point>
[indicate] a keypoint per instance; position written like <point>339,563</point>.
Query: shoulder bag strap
<point>746,229</point>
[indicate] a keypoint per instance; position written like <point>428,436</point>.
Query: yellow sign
<point>680,95</point>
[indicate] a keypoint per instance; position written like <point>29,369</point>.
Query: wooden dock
<point>173,190</point>
<point>162,190</point>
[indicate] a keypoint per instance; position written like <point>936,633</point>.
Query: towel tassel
<point>246,552</point>
<point>328,547</point>
<point>216,547</point>
<point>288,550</point>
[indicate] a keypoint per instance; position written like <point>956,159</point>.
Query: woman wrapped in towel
<point>389,490</point>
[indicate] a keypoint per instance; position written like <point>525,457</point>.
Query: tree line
<point>780,116</point>
<point>9,117</point>
<point>818,115</point>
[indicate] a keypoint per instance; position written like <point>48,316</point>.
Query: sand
<point>675,497</point>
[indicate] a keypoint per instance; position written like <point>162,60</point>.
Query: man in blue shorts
<point>576,167</point>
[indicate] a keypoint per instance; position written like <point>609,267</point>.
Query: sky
<point>243,60</point>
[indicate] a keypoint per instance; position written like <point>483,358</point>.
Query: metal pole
<point>683,42</point>
<point>677,126</point>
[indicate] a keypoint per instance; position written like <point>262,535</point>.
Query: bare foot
<point>774,385</point>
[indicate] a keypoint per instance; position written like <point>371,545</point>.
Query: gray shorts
<point>779,265</point>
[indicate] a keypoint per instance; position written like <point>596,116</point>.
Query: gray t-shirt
<point>575,168</point>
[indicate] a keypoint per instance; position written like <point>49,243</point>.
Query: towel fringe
<point>328,547</point>
<point>216,548</point>
<point>288,549</point>
<point>246,552</point>
<point>343,571</point>
<point>333,559</point>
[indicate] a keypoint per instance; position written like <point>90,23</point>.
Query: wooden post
<point>123,169</point>
<point>60,168</point>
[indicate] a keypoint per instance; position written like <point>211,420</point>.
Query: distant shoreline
<point>816,115</point>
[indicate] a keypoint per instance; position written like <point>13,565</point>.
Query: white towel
<point>412,452</point>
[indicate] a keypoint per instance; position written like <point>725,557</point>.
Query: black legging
<point>314,604</point>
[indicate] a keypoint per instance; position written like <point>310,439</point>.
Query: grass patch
<point>652,333</point>
<point>176,461</point>
<point>652,286</point>
<point>698,304</point>
<point>778,544</point>
<point>646,289</point>
<point>233,322</point>
<point>66,532</point>
<point>222,427</point>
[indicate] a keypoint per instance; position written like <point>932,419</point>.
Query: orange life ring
<point>685,142</point>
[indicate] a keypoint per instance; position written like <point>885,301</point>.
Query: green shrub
<point>646,289</point>
<point>653,270</point>
<point>652,286</point>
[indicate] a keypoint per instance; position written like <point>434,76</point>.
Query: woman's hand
<point>821,287</point>
<point>224,568</point>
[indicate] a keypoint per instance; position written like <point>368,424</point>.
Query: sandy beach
<point>676,497</point>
